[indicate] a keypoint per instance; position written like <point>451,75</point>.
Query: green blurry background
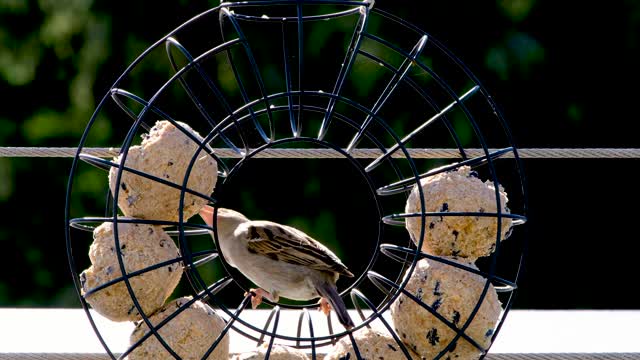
<point>564,73</point>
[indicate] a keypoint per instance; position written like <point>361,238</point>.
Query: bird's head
<point>227,219</point>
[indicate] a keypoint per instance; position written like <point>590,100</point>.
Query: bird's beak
<point>206,213</point>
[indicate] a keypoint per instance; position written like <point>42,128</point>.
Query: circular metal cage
<point>306,79</point>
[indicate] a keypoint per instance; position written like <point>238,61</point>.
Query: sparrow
<point>281,260</point>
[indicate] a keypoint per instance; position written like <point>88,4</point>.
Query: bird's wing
<point>289,245</point>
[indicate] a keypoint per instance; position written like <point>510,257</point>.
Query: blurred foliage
<point>56,58</point>
<point>555,69</point>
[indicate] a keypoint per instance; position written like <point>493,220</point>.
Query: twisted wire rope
<point>417,153</point>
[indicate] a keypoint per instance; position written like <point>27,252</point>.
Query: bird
<point>281,260</point>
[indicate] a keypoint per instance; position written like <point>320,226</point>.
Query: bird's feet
<point>206,213</point>
<point>257,295</point>
<point>325,307</point>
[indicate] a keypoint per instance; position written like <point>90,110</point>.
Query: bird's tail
<point>330,293</point>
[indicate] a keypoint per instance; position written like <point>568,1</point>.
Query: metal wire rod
<point>525,153</point>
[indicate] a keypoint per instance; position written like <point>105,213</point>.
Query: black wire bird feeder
<point>250,76</point>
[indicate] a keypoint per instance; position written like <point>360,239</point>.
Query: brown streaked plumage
<point>281,260</point>
<point>284,243</point>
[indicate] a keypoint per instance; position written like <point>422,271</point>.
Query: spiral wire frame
<point>233,126</point>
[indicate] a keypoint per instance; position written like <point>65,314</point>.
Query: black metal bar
<point>212,254</point>
<point>277,18</point>
<point>105,164</point>
<point>303,314</point>
<point>356,349</point>
<point>226,14</point>
<point>392,85</point>
<point>350,57</point>
<point>376,278</point>
<point>123,271</point>
<point>299,329</point>
<point>288,2</point>
<point>79,225</point>
<point>164,115</point>
<point>312,336</point>
<point>379,316</point>
<point>194,63</point>
<point>127,110</point>
<point>407,184</point>
<point>172,42</point>
<point>204,260</point>
<point>274,330</point>
<point>348,101</point>
<point>243,305</point>
<point>300,66</point>
<point>130,220</point>
<point>215,288</point>
<point>431,120</point>
<point>444,85</point>
<point>131,275</point>
<point>389,249</point>
<point>154,328</point>
<point>267,323</point>
<point>425,95</point>
<point>288,81</point>
<point>205,55</point>
<point>466,324</point>
<point>356,304</point>
<point>307,18</point>
<point>392,219</point>
<point>330,327</point>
